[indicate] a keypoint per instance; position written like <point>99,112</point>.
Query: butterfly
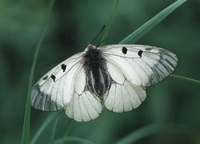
<point>112,76</point>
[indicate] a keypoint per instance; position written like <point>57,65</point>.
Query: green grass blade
<point>185,78</point>
<point>48,120</point>
<point>105,36</point>
<point>155,129</point>
<point>26,125</point>
<point>73,140</point>
<point>55,124</point>
<point>134,36</point>
<point>66,132</point>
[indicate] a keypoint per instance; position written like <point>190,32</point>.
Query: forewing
<point>55,89</point>
<point>141,64</point>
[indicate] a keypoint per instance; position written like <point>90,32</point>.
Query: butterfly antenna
<point>98,33</point>
<point>101,42</point>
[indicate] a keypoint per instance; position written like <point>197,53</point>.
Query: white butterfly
<point>114,76</point>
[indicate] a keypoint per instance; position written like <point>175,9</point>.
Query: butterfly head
<point>90,47</point>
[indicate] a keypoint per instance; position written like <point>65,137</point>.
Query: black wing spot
<point>140,53</point>
<point>63,67</point>
<point>53,77</point>
<point>44,78</point>
<point>124,50</point>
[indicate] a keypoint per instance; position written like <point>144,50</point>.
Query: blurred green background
<point>173,101</point>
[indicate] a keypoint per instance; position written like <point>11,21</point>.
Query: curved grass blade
<point>105,36</point>
<point>66,132</point>
<point>55,124</point>
<point>137,34</point>
<point>48,120</point>
<point>158,128</point>
<point>185,78</point>
<point>74,140</point>
<point>26,125</point>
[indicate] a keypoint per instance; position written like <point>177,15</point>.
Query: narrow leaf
<point>141,31</point>
<point>26,125</point>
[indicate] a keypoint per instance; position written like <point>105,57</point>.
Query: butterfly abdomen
<point>97,77</point>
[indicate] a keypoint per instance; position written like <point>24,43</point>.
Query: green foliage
<point>170,114</point>
<point>26,126</point>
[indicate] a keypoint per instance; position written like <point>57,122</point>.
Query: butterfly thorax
<point>97,77</point>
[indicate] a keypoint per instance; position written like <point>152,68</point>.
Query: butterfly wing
<point>65,87</point>
<point>84,107</point>
<point>55,89</point>
<point>132,68</point>
<point>124,97</point>
<point>141,64</point>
